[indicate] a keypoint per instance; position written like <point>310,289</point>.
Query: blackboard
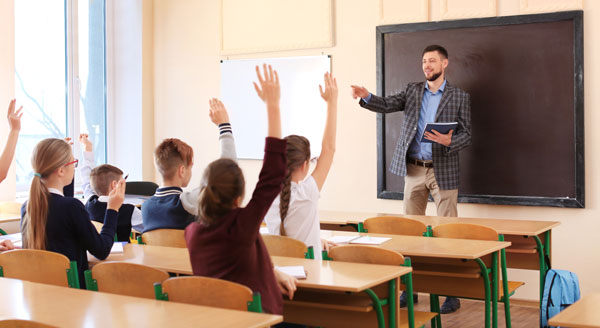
<point>525,77</point>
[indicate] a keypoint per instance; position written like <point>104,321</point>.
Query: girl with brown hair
<point>225,242</point>
<point>61,224</point>
<point>295,212</point>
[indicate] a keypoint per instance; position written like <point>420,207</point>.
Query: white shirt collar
<point>56,191</point>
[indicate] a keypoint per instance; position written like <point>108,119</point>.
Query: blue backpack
<point>561,289</point>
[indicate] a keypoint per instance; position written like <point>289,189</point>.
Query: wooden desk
<point>135,200</point>
<point>441,251</point>
<point>321,275</point>
<point>68,307</point>
<point>9,217</point>
<point>531,240</point>
<point>584,313</point>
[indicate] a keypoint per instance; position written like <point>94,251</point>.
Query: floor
<point>471,314</point>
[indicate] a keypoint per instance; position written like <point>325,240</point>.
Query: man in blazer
<point>427,167</point>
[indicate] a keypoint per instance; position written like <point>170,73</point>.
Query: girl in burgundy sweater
<point>225,243</point>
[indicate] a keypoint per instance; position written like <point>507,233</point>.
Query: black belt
<point>419,162</point>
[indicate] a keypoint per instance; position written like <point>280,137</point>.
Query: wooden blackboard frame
<point>579,178</point>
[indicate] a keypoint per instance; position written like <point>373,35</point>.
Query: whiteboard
<point>303,111</point>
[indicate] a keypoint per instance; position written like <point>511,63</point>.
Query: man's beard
<point>434,77</point>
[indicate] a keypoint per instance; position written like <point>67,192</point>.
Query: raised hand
<point>84,140</point>
<point>117,196</point>
<point>331,90</point>
<point>359,92</point>
<point>269,85</point>
<point>217,112</point>
<point>14,117</point>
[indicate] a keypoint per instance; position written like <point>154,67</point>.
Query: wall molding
<point>479,8</point>
<point>542,6</point>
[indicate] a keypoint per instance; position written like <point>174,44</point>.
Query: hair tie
<point>37,175</point>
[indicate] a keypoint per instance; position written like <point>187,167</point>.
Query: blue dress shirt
<point>429,106</point>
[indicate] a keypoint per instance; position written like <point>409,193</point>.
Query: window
<point>60,74</point>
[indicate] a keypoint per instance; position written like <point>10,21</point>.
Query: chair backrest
<point>165,237</point>
<point>284,246</point>
<point>125,279</point>
<point>208,292</point>
<point>16,323</point>
<point>365,254</point>
<point>11,207</point>
<point>97,225</point>
<point>144,188</point>
<point>465,231</point>
<point>36,265</point>
<point>395,225</point>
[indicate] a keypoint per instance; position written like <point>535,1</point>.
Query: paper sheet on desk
<point>296,271</point>
<point>368,240</point>
<point>117,248</point>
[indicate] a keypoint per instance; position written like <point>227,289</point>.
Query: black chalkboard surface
<point>525,77</point>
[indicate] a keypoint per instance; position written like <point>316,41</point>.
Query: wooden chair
<point>286,246</point>
<point>164,237</point>
<point>39,266</point>
<point>480,232</point>
<point>385,293</point>
<point>208,292</point>
<point>143,188</point>
<point>17,323</point>
<point>124,279</point>
<point>394,225</point>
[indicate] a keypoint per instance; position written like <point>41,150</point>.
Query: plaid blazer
<point>455,106</point>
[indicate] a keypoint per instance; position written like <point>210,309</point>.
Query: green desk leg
<point>543,268</point>
<point>506,298</point>
<point>495,289</point>
<point>360,227</point>
<point>410,305</point>
<point>486,283</point>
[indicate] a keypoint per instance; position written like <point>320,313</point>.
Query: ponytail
<point>48,156</point>
<point>297,153</point>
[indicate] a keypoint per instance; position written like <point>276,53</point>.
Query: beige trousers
<point>418,183</point>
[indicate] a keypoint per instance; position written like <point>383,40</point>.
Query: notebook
<point>296,271</point>
<point>442,128</point>
<point>364,240</point>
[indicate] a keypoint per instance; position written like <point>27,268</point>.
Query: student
<point>61,224</point>
<point>14,123</point>
<point>97,184</point>
<point>295,212</point>
<point>225,242</point>
<point>171,207</point>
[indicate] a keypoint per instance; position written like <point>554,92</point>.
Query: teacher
<point>428,168</point>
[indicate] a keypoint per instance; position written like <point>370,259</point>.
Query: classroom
<point>164,62</point>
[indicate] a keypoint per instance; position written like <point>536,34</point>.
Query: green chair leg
<point>158,292</point>
<point>310,253</point>
<point>2,232</point>
<point>73,275</point>
<point>325,256</point>
<point>410,304</point>
<point>361,228</point>
<point>90,282</point>
<point>506,297</point>
<point>377,305</point>
<point>256,304</point>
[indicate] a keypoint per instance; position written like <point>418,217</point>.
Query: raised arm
<point>330,95</point>
<point>88,164</point>
<point>14,123</point>
<point>219,116</point>
<point>274,166</point>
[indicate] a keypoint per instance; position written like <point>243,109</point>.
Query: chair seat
<point>512,286</point>
<point>449,271</point>
<point>421,318</point>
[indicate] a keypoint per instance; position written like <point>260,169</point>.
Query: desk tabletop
<point>503,226</point>
<point>322,275</point>
<point>429,246</point>
<point>9,217</point>
<point>583,314</point>
<point>341,276</point>
<point>68,307</point>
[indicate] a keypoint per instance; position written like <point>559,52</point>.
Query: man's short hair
<point>170,155</point>
<point>434,47</point>
<point>102,176</point>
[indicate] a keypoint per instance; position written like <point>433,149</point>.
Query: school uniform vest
<point>164,210</point>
